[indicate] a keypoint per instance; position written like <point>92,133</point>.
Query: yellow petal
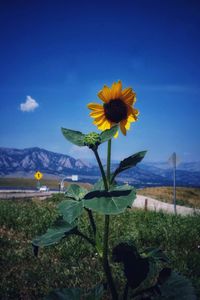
<point>132,114</point>
<point>104,94</point>
<point>122,126</point>
<point>128,125</point>
<point>116,90</point>
<point>127,92</point>
<point>99,121</point>
<point>128,96</point>
<point>95,114</point>
<point>130,100</point>
<point>135,111</point>
<point>116,134</point>
<point>106,125</point>
<point>132,118</point>
<point>95,106</point>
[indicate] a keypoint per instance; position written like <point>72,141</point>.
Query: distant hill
<point>25,162</point>
<point>185,166</point>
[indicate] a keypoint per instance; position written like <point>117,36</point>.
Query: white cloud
<point>30,104</point>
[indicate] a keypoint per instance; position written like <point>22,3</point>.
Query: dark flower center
<point>115,110</point>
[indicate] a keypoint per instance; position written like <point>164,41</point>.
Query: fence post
<point>145,204</point>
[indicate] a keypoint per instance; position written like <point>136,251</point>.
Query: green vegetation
<point>184,196</point>
<point>31,183</point>
<point>71,263</point>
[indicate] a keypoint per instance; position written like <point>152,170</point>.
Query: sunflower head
<point>117,108</point>
<point>92,140</point>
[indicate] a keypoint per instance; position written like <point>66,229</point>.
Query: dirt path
<point>153,204</point>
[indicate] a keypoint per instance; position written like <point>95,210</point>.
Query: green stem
<point>106,233</point>
<point>108,161</point>
<point>106,265</point>
<point>112,178</point>
<point>101,169</point>
<point>106,181</point>
<point>92,222</point>
<point>125,296</point>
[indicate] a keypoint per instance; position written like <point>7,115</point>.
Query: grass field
<point>72,262</point>
<point>184,196</point>
<point>31,183</point>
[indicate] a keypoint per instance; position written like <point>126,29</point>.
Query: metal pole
<point>38,184</point>
<point>175,183</point>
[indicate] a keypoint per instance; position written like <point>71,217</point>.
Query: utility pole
<point>173,160</point>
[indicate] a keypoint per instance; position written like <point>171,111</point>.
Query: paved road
<point>151,204</point>
<point>16,194</point>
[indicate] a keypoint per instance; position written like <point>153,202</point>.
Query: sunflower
<point>116,109</point>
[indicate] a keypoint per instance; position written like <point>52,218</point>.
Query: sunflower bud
<point>92,140</point>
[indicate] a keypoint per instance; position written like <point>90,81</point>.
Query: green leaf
<point>129,162</point>
<point>135,267</point>
<point>79,139</point>
<point>142,273</point>
<point>64,294</point>
<point>76,192</point>
<point>70,210</point>
<point>111,202</point>
<point>176,287</point>
<point>108,134</point>
<point>172,286</point>
<point>95,293</point>
<point>99,185</point>
<point>156,254</point>
<point>75,137</point>
<point>54,234</point>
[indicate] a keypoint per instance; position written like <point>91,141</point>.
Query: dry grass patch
<point>184,196</point>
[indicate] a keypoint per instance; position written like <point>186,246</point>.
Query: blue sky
<point>61,53</point>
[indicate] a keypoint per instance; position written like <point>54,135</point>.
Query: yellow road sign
<point>38,175</point>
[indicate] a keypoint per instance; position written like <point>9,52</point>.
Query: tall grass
<point>72,262</point>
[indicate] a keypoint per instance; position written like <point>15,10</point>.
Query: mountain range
<point>25,162</point>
